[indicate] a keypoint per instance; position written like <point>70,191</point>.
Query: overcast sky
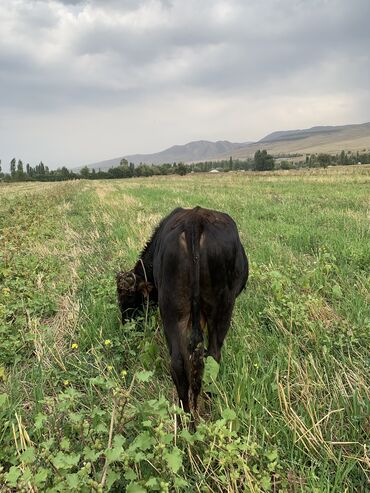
<point>84,81</point>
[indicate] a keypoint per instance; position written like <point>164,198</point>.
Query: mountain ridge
<point>330,139</point>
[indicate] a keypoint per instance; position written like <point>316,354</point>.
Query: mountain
<point>328,139</point>
<point>299,134</point>
<point>200,150</point>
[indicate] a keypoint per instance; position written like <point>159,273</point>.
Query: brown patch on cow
<point>203,322</point>
<point>145,288</point>
<point>182,241</point>
<point>201,240</point>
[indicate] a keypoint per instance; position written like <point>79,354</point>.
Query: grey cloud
<point>260,46</point>
<point>118,4</point>
<point>65,54</point>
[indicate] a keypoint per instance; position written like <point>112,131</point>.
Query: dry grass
<point>294,363</point>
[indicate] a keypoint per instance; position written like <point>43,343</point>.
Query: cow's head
<point>132,292</point>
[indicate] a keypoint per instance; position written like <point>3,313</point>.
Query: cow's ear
<point>145,288</point>
<point>126,281</point>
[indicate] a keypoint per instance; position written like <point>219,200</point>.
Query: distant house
<point>214,171</point>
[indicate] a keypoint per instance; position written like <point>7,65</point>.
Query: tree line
<point>262,161</point>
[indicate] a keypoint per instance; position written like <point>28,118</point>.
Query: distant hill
<point>328,139</point>
<point>299,134</point>
<point>200,150</point>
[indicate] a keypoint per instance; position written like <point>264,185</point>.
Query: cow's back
<point>222,258</point>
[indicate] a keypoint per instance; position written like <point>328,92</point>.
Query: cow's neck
<point>145,262</point>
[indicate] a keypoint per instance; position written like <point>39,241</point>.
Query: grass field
<point>87,404</point>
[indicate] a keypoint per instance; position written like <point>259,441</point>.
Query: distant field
<point>88,405</point>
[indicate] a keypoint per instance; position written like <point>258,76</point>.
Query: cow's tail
<point>196,346</point>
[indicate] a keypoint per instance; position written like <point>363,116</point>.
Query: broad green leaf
<point>180,483</point>
<point>12,476</point>
<point>65,461</point>
<point>186,435</point>
<point>173,459</point>
<point>152,484</point>
<point>130,474</point>
<point>98,381</point>
<point>135,488</point>
<point>228,414</point>
<point>41,476</point>
<point>337,291</point>
<point>144,376</point>
<point>167,438</point>
<point>118,440</point>
<point>26,475</point>
<point>40,420</point>
<point>112,477</point>
<point>211,369</point>
<point>139,456</point>
<point>90,454</point>
<point>113,454</point>
<point>65,444</point>
<point>73,480</point>
<point>272,456</point>
<point>143,441</point>
<point>28,456</point>
<point>266,483</point>
<point>101,428</point>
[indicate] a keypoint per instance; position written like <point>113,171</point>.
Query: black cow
<point>194,267</point>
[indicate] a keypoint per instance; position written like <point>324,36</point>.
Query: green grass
<point>87,404</point>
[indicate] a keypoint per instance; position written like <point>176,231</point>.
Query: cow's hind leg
<point>180,379</point>
<point>218,323</point>
<point>174,330</point>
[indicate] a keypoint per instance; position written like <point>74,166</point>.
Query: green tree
<point>64,172</point>
<point>343,158</point>
<point>20,170</point>
<point>263,161</point>
<point>40,169</point>
<point>85,172</point>
<point>181,169</point>
<point>323,160</point>
<point>125,169</point>
<point>285,164</point>
<point>12,167</point>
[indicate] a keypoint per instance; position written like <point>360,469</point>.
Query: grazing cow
<point>194,267</point>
